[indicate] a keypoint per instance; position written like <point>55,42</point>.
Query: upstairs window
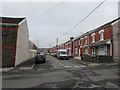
<point>81,41</point>
<point>85,38</point>
<point>76,42</point>
<point>93,37</point>
<point>101,32</point>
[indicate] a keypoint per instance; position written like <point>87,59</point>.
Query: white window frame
<point>102,50</point>
<point>76,50</point>
<point>93,37</point>
<point>81,41</point>
<point>85,39</point>
<point>86,50</point>
<point>101,32</point>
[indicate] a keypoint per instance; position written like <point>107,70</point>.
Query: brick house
<point>76,46</point>
<point>97,45</point>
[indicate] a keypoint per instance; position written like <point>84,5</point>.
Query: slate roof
<point>10,20</point>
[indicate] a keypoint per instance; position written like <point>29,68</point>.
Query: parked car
<point>53,54</point>
<point>41,58</point>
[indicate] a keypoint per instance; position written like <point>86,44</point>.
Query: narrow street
<point>62,74</point>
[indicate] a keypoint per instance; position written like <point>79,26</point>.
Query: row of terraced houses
<point>98,45</point>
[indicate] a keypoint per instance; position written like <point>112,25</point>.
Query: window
<point>85,39</point>
<point>86,51</point>
<point>81,41</point>
<point>76,42</point>
<point>76,50</point>
<point>101,34</point>
<point>102,50</point>
<point>93,37</point>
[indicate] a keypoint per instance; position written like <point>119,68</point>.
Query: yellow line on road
<point>27,68</point>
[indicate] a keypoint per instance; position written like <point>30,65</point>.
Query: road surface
<point>62,74</point>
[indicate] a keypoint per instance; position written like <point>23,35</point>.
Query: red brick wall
<point>108,33</point>
<point>89,39</point>
<point>97,36</point>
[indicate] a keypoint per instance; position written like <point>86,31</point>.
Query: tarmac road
<point>62,74</point>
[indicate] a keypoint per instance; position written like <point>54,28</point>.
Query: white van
<point>62,54</point>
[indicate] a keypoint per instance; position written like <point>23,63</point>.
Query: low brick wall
<point>86,57</point>
<point>105,59</point>
<point>98,59</point>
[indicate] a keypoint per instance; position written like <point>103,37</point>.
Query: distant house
<point>32,49</point>
<point>14,41</point>
<point>46,50</point>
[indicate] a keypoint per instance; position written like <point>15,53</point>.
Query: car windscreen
<point>63,52</point>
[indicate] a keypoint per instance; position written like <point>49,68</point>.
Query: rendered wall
<point>22,51</point>
<point>0,48</point>
<point>116,41</point>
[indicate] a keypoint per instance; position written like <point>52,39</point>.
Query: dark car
<point>41,58</point>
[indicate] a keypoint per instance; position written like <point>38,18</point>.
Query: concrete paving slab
<point>5,69</point>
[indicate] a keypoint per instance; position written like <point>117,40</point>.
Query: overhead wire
<point>73,26</point>
<point>36,18</point>
<point>46,11</point>
<point>84,18</point>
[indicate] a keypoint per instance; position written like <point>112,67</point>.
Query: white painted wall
<point>32,53</point>
<point>22,51</point>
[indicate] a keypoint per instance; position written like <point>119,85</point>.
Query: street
<point>62,74</point>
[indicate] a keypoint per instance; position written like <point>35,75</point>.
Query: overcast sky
<point>46,28</point>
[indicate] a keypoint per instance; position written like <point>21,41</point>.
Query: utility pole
<point>57,43</point>
<point>49,48</point>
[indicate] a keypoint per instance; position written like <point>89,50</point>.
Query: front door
<point>93,51</point>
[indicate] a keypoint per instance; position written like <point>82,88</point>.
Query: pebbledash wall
<point>116,40</point>
<point>14,41</point>
<point>98,45</point>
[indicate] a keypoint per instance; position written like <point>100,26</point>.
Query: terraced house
<point>98,45</point>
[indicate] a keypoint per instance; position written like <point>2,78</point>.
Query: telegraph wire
<point>47,11</point>
<point>84,18</point>
<point>77,23</point>
<point>36,18</point>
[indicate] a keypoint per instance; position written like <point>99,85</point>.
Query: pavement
<point>93,64</point>
<point>5,69</point>
<point>26,65</point>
